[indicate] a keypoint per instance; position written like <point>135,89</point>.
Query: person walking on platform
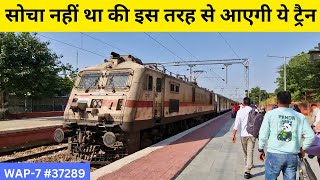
<point>315,115</point>
<point>247,140</point>
<point>282,129</point>
<point>263,110</point>
<point>241,106</point>
<point>314,150</point>
<point>296,108</point>
<point>274,107</point>
<point>315,111</point>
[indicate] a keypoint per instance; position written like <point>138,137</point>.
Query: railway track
<point>36,155</point>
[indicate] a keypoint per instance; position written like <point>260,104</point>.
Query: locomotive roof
<point>123,62</point>
<point>113,65</point>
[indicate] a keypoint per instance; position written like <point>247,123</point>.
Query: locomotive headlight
<point>58,135</point>
<point>109,139</point>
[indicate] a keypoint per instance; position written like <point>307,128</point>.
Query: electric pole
<point>284,69</point>
<point>226,65</point>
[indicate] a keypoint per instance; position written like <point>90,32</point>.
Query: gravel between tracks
<point>29,152</point>
<point>61,156</point>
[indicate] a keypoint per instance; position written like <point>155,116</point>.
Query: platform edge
<point>139,154</point>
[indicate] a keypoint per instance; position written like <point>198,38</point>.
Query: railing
<point>162,69</point>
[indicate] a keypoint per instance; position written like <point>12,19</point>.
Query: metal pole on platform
<point>285,73</point>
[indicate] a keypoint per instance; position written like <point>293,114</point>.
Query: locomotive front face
<point>99,97</point>
<point>96,118</point>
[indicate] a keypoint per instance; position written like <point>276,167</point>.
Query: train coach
<point>122,105</point>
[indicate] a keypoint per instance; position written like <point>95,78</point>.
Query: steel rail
<point>35,155</point>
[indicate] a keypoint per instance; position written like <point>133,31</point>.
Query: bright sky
<point>255,46</point>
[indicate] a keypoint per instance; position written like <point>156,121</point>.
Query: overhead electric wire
<point>229,45</point>
<point>198,60</point>
<point>105,43</point>
<point>217,75</point>
<point>72,45</point>
<point>211,60</point>
<point>163,46</point>
<point>183,46</point>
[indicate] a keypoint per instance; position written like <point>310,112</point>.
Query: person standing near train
<point>247,140</point>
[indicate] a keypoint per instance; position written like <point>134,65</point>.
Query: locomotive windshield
<point>89,81</point>
<point>118,80</point>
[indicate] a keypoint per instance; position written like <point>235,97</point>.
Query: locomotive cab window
<point>158,86</point>
<point>89,81</point>
<point>118,80</point>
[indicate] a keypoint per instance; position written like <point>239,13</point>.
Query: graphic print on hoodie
<point>285,128</point>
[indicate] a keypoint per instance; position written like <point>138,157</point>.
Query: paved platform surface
<point>168,161</point>
<point>220,159</point>
<point>27,124</point>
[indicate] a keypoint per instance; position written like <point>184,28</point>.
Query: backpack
<point>254,122</point>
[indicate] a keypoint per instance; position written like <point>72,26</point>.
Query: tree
<point>257,94</point>
<point>302,78</point>
<point>27,65</point>
<point>67,79</point>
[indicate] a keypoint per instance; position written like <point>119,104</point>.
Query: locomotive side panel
<point>217,99</point>
<point>164,99</point>
<point>186,99</point>
<point>145,98</point>
<point>150,99</point>
<point>215,102</point>
<point>224,104</point>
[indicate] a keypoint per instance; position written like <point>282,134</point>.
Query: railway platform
<point>203,152</point>
<point>23,133</point>
<point>17,125</point>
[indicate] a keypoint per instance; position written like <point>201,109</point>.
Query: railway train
<point>122,105</point>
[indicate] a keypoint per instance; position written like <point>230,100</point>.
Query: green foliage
<point>302,78</point>
<point>257,94</point>
<point>27,65</point>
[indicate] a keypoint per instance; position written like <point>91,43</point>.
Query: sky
<point>203,46</point>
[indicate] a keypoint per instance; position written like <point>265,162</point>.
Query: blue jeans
<point>275,163</point>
